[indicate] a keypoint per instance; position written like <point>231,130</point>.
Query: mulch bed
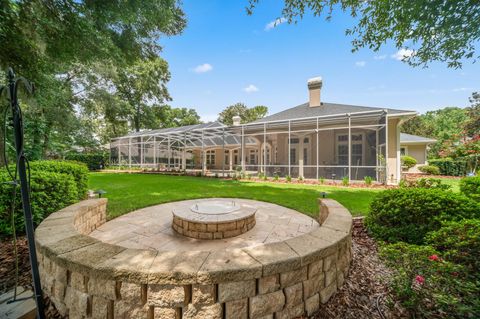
<point>365,291</point>
<point>363,295</point>
<point>7,271</point>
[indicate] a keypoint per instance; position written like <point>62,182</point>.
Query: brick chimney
<point>314,89</point>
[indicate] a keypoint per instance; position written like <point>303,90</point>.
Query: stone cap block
<point>131,265</point>
<point>85,259</point>
<point>229,265</point>
<point>274,257</point>
<point>176,267</point>
<point>309,248</point>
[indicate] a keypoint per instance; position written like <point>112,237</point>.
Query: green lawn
<point>128,192</point>
<point>453,182</point>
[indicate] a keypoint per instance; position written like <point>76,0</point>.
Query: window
<point>227,161</point>
<point>357,149</point>
<point>293,156</point>
<point>235,157</point>
<point>357,154</point>
<point>253,157</point>
<point>306,140</point>
<point>294,140</point>
<point>343,154</point>
<point>403,151</point>
<point>305,156</point>
<point>210,157</point>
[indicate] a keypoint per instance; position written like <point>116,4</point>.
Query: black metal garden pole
<point>24,186</point>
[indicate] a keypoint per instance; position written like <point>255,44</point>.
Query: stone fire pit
<point>216,219</point>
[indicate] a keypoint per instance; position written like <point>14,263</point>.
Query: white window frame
<point>338,143</point>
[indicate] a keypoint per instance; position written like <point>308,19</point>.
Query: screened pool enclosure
<point>330,147</point>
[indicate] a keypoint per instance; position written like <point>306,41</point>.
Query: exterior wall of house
<point>417,151</point>
<point>393,151</point>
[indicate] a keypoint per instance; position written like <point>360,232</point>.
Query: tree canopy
<point>246,114</point>
<point>436,30</point>
<point>440,124</point>
<point>96,66</point>
<point>452,127</point>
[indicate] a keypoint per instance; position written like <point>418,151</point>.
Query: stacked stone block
<point>212,230</point>
<point>88,279</point>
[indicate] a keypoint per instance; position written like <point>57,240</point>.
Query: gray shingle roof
<point>409,138</point>
<point>304,110</point>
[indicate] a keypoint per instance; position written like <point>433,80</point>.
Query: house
<point>416,147</point>
<point>314,140</point>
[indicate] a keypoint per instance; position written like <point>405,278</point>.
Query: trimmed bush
<point>78,171</point>
<point>459,242</point>
<point>50,191</point>
<point>470,186</point>
<point>408,214</point>
<point>429,169</point>
<point>450,167</point>
<point>408,161</point>
<point>94,161</point>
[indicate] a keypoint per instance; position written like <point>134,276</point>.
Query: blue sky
<point>225,56</point>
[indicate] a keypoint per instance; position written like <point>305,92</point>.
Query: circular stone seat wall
<point>87,278</point>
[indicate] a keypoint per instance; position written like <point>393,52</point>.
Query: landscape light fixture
<point>100,192</point>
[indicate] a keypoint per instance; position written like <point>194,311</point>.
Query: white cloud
<point>402,54</point>
<point>462,89</point>
<point>380,57</point>
<point>202,68</point>
<point>360,64</point>
<point>274,23</point>
<point>251,88</point>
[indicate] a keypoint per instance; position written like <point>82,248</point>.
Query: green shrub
<point>368,180</point>
<point>50,191</point>
<point>300,178</point>
<point>451,167</point>
<point>322,180</point>
<point>288,178</point>
<point>94,161</point>
<point>78,171</point>
<point>429,286</point>
<point>429,169</point>
<point>276,177</point>
<point>408,214</point>
<point>459,242</point>
<point>408,161</point>
<point>470,186</point>
<point>345,181</point>
<point>425,183</point>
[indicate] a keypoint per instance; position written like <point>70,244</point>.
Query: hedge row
<point>54,185</point>
<point>407,214</point>
<point>94,161</point>
<point>450,167</point>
